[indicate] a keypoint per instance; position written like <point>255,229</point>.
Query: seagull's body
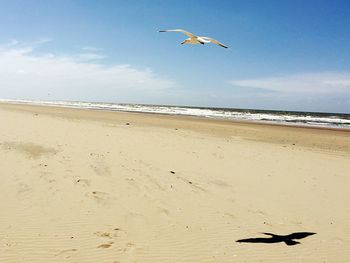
<point>193,39</point>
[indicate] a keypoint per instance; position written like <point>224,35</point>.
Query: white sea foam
<point>281,117</point>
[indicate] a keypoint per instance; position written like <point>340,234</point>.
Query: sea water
<point>316,119</point>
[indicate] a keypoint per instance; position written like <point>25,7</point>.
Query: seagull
<point>193,39</point>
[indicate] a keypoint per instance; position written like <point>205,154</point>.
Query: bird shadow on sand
<point>287,239</point>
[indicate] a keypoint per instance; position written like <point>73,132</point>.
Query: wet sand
<point>97,186</point>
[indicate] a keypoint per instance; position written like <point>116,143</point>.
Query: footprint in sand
<point>106,245</point>
<point>47,177</point>
<point>129,247</point>
<point>132,182</point>
<point>66,252</point>
<point>104,234</point>
<point>100,167</point>
<point>163,212</point>
<point>154,182</point>
<point>22,188</point>
<point>108,238</point>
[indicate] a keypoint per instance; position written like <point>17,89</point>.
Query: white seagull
<point>193,39</point>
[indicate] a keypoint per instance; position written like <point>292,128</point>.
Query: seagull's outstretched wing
<point>212,40</point>
<point>179,30</point>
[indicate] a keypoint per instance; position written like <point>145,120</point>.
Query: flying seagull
<point>193,39</point>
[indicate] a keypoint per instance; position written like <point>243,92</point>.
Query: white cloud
<point>91,56</point>
<point>25,74</point>
<point>91,49</point>
<point>41,41</point>
<point>311,83</point>
<point>33,44</point>
<point>13,42</point>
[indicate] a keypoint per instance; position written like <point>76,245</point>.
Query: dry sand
<point>83,186</point>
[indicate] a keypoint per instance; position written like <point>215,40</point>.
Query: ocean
<point>314,119</point>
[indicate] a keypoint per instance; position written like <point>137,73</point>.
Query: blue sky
<point>291,55</point>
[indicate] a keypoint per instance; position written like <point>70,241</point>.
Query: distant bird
<point>193,39</point>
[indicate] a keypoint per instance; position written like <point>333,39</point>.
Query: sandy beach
<point>98,186</point>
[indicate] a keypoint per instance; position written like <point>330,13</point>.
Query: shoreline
<point>191,117</point>
<point>265,122</point>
